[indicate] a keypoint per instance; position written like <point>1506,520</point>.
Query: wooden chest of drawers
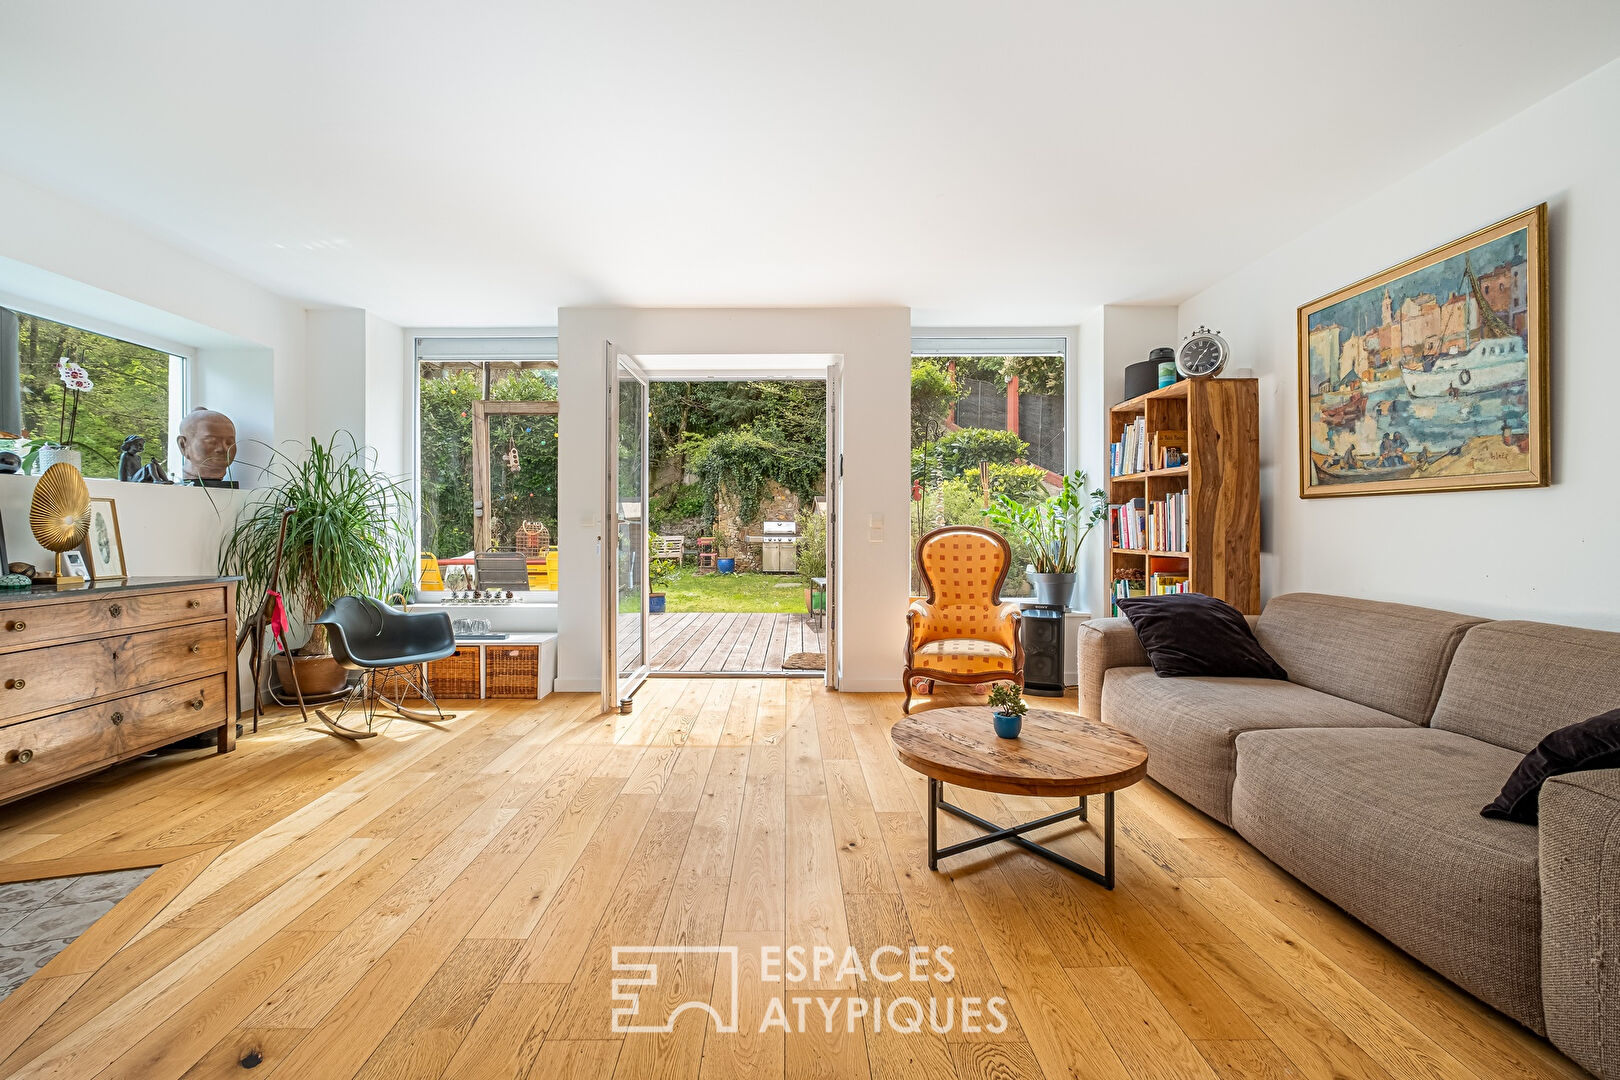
<point>91,677</point>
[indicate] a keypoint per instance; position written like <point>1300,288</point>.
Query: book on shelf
<point>1127,586</point>
<point>1139,450</point>
<point>1167,523</point>
<point>1130,454</point>
<point>1160,525</point>
<point>1168,449</point>
<point>1127,523</point>
<point>1166,584</point>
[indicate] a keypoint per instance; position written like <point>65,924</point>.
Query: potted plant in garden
<point>1056,527</point>
<point>350,536</point>
<point>659,572</point>
<point>1007,699</point>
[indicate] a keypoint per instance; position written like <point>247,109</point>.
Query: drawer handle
<point>117,718</point>
<point>16,684</point>
<point>196,706</point>
<point>23,756</point>
<point>193,603</point>
<point>16,625</point>
<point>116,610</point>
<point>196,646</point>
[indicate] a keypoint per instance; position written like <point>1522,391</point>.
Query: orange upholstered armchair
<point>962,632</point>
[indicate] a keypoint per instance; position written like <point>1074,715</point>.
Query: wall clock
<point>1203,354</point>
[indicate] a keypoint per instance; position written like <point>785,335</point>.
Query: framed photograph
<point>1432,375</point>
<point>103,545</point>
<point>73,564</point>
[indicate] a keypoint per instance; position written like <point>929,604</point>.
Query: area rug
<point>806,661</point>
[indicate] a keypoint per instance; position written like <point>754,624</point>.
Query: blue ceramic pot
<point>1008,725</point>
<point>655,604</point>
<point>725,566</point>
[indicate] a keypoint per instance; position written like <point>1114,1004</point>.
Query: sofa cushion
<point>1583,747</point>
<point>1512,683</point>
<point>1189,725</point>
<point>1191,634</point>
<point>1388,657</point>
<point>1386,824</point>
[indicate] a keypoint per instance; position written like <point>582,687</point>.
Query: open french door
<point>625,660</point>
<point>835,473</point>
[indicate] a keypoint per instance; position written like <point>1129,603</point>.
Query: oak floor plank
<point>446,899</point>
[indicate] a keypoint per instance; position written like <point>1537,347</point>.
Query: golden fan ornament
<point>60,515</point>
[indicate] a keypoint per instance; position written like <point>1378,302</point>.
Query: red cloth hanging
<point>278,619</point>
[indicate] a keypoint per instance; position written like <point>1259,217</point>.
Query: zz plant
<point>351,534</point>
<point>1055,527</point>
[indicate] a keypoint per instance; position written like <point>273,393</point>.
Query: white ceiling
<point>482,163</point>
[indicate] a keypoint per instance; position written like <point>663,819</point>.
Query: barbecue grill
<point>777,544</point>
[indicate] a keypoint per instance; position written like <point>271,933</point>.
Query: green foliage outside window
<point>530,494</point>
<point>945,459</point>
<point>130,397</point>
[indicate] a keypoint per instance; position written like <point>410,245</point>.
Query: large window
<point>133,392</point>
<point>487,460</point>
<point>987,418</point>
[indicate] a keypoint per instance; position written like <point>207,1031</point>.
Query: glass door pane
<point>628,505</point>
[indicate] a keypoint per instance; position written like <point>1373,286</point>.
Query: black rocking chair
<point>368,636</point>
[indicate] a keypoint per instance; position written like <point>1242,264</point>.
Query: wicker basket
<point>512,671</point>
<point>455,676</point>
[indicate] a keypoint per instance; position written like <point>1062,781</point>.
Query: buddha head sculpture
<point>207,442</point>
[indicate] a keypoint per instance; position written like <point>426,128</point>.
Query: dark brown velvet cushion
<point>1193,634</point>
<point>1590,744</point>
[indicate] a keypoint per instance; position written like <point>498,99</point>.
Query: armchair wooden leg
<point>906,707</point>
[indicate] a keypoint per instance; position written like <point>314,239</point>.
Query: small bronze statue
<point>129,458</point>
<point>152,473</point>
<point>207,442</point>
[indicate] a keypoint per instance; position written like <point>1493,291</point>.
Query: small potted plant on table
<point>659,573</point>
<point>1007,699</point>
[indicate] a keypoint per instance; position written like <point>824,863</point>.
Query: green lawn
<point>687,590</point>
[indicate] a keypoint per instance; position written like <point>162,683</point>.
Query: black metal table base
<point>1014,834</point>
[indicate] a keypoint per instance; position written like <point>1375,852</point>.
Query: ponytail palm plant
<point>1055,527</point>
<point>350,535</point>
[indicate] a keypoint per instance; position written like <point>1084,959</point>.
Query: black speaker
<point>1043,651</point>
<point>1143,377</point>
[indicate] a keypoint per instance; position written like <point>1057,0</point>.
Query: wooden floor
<point>444,902</point>
<point>721,643</point>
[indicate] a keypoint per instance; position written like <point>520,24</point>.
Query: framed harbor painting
<point>1432,375</point>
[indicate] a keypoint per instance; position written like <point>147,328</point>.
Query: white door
<point>624,593</point>
<point>835,472</point>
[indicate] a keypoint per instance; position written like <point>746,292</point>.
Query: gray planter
<point>1052,590</point>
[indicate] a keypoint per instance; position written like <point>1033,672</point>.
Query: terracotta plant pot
<point>316,675</point>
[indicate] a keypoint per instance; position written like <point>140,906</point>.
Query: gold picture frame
<point>103,545</point>
<point>1431,375</point>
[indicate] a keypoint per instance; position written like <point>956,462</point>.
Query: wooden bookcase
<point>1221,418</point>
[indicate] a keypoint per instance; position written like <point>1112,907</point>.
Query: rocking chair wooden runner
<point>368,636</point>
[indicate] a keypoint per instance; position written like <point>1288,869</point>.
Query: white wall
<point>167,530</point>
<point>876,346</point>
<point>1111,338</point>
<point>1547,553</point>
<point>82,261</point>
<point>66,260</point>
<point>390,426</point>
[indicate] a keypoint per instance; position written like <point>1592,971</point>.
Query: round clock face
<point>1204,355</point>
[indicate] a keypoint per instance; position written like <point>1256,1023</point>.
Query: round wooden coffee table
<point>1057,755</point>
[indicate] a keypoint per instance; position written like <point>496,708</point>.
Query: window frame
<point>183,357</point>
<point>1014,341</point>
<point>533,344</point>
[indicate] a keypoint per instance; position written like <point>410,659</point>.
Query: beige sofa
<point>1364,773</point>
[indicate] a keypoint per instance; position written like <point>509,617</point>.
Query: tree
<point>130,397</point>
